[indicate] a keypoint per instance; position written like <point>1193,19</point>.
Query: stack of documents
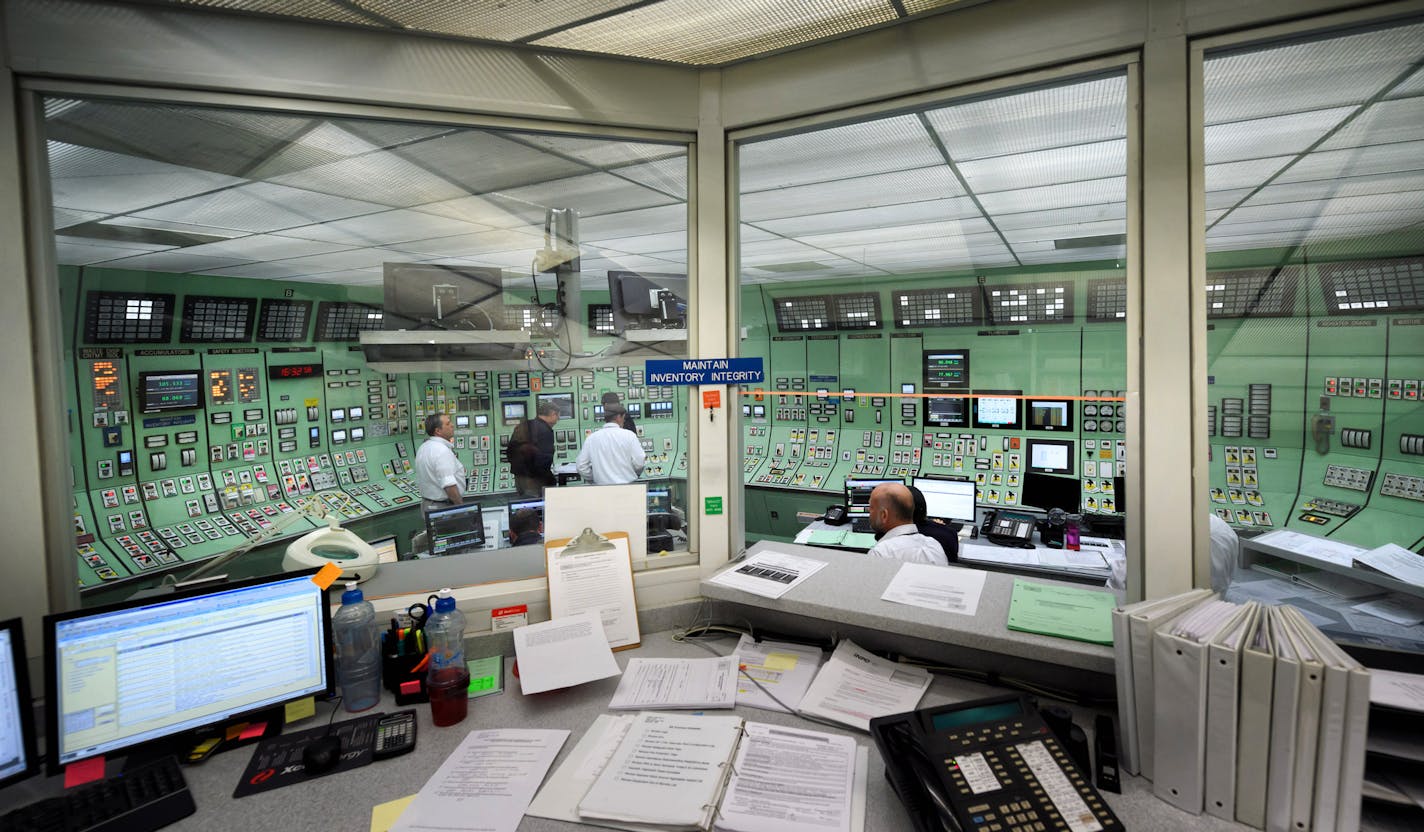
<point>1246,712</point>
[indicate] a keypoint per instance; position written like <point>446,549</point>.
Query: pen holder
<point>401,678</point>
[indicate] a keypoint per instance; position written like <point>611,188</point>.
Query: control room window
<point>262,308</point>
<point>940,295</point>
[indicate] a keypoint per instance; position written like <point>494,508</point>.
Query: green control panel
<point>200,419</point>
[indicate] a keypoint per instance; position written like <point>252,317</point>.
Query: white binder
<point>1339,758</point>
<point>1179,707</point>
<point>1285,709</point>
<point>1223,697</point>
<point>1308,720</point>
<point>1253,734</point>
<point>1143,621</point>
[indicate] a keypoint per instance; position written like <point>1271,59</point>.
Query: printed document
<point>1330,551</point>
<point>563,653</point>
<point>769,573</point>
<point>669,770</point>
<point>486,784</point>
<point>601,582</point>
<point>782,668</point>
<point>677,683</point>
<point>856,685</point>
<point>789,780</point>
<point>1397,690</point>
<point>942,588</point>
<point>1395,561</point>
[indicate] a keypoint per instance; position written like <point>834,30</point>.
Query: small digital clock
<point>287,371</point>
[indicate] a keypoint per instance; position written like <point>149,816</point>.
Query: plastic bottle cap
<point>352,595</point>
<point>445,604</point>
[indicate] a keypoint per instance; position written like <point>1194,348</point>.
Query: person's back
<point>611,455</point>
<point>892,511</point>
<point>945,536</point>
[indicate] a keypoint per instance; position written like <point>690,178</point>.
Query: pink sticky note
<point>84,771</point>
<point>410,687</point>
<point>253,730</point>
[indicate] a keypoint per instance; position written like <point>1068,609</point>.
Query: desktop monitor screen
<point>17,722</point>
<point>948,499</point>
<point>659,501</point>
<point>1050,456</point>
<point>385,549</point>
<point>1049,414</point>
<point>997,412</point>
<point>857,495</point>
<point>1048,492</point>
<point>456,529</point>
<point>537,505</point>
<point>515,412</point>
<point>563,401</point>
<point>154,667</point>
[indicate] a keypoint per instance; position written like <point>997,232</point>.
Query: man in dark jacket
<point>531,452</point>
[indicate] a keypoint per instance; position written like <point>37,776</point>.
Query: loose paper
<point>1331,551</point>
<point>1397,690</point>
<point>769,573</point>
<point>677,683</point>
<point>784,669</point>
<point>1081,614</point>
<point>486,784</point>
<point>562,653</point>
<point>1395,561</point>
<point>600,582</point>
<point>946,589</point>
<point>385,815</point>
<point>1399,609</point>
<point>789,780</point>
<point>857,685</point>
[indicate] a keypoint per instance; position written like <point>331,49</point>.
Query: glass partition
<point>940,293</point>
<point>1315,314</point>
<point>261,309</point>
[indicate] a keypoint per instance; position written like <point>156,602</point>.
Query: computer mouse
<point>321,755</point>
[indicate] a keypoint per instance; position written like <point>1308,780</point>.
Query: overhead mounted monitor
<point>162,666</point>
<point>563,401</point>
<point>426,296</point>
<point>647,300</point>
<point>1049,414</point>
<point>1050,456</point>
<point>997,409</point>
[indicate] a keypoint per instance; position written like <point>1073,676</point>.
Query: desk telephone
<point>1008,528</point>
<point>990,765</point>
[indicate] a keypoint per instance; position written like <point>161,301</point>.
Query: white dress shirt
<point>907,544</point>
<point>611,456</point>
<point>437,467</point>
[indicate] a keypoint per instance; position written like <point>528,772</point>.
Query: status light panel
<point>108,391</point>
<point>220,386</point>
<point>249,385</point>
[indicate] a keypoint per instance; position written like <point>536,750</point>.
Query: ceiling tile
<point>1273,136</point>
<point>386,228</point>
<point>1046,167</point>
<point>93,180</point>
<point>645,243</point>
<point>65,217</point>
<point>862,218</point>
<point>604,153</point>
<point>178,261</point>
<point>480,161</point>
<point>883,145</point>
<point>70,251</point>
<point>1387,121</point>
<point>1364,161</point>
<point>1244,174</point>
<point>862,192</point>
<point>260,207</point>
<point>590,194</point>
<point>1079,112</point>
<point>666,176</point>
<point>933,232</point>
<point>632,223</point>
<point>1076,194</point>
<point>263,247</point>
<point>470,245</point>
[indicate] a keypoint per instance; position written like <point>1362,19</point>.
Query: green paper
<point>857,540</point>
<point>486,676</point>
<point>1079,614</point>
<point>826,537</point>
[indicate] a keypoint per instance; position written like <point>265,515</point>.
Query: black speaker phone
<point>836,515</point>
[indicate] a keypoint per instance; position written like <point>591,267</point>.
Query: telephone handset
<point>836,515</point>
<point>1008,528</point>
<point>989,764</point>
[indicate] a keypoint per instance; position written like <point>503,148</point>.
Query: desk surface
<point>344,801</point>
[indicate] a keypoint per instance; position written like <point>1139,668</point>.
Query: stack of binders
<point>1245,711</point>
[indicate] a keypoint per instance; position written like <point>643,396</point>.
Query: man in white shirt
<point>892,513</point>
<point>438,473</point>
<point>611,455</point>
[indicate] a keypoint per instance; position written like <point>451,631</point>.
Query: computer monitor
<point>659,501</point>
<point>536,505</point>
<point>946,412</point>
<point>1050,456</point>
<point>385,549</point>
<point>997,412</point>
<point>1049,414</point>
<point>17,716</point>
<point>455,529</point>
<point>430,296</point>
<point>947,499</point>
<point>153,668</point>
<point>1044,491</point>
<point>563,401</point>
<point>857,495</point>
<point>515,412</point>
<point>647,300</point>
<point>169,390</point>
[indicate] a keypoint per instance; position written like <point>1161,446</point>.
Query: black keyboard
<point>143,798</point>
<point>861,525</point>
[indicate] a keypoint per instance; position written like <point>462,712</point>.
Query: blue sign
<point>704,371</point>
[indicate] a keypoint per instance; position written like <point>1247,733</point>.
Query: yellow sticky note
<point>780,661</point>
<point>384,816</point>
<point>327,575</point>
<point>300,709</point>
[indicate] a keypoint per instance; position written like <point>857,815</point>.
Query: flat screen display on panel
<point>1050,456</point>
<point>563,401</point>
<point>1045,491</point>
<point>946,412</point>
<point>857,495</point>
<point>151,668</point>
<point>17,716</point>
<point>455,530</point>
<point>997,409</point>
<point>946,370</point>
<point>515,412</point>
<point>1048,414</point>
<point>635,409</point>
<point>947,499</point>
<point>169,390</point>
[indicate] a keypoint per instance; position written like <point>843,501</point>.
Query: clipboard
<point>594,573</point>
